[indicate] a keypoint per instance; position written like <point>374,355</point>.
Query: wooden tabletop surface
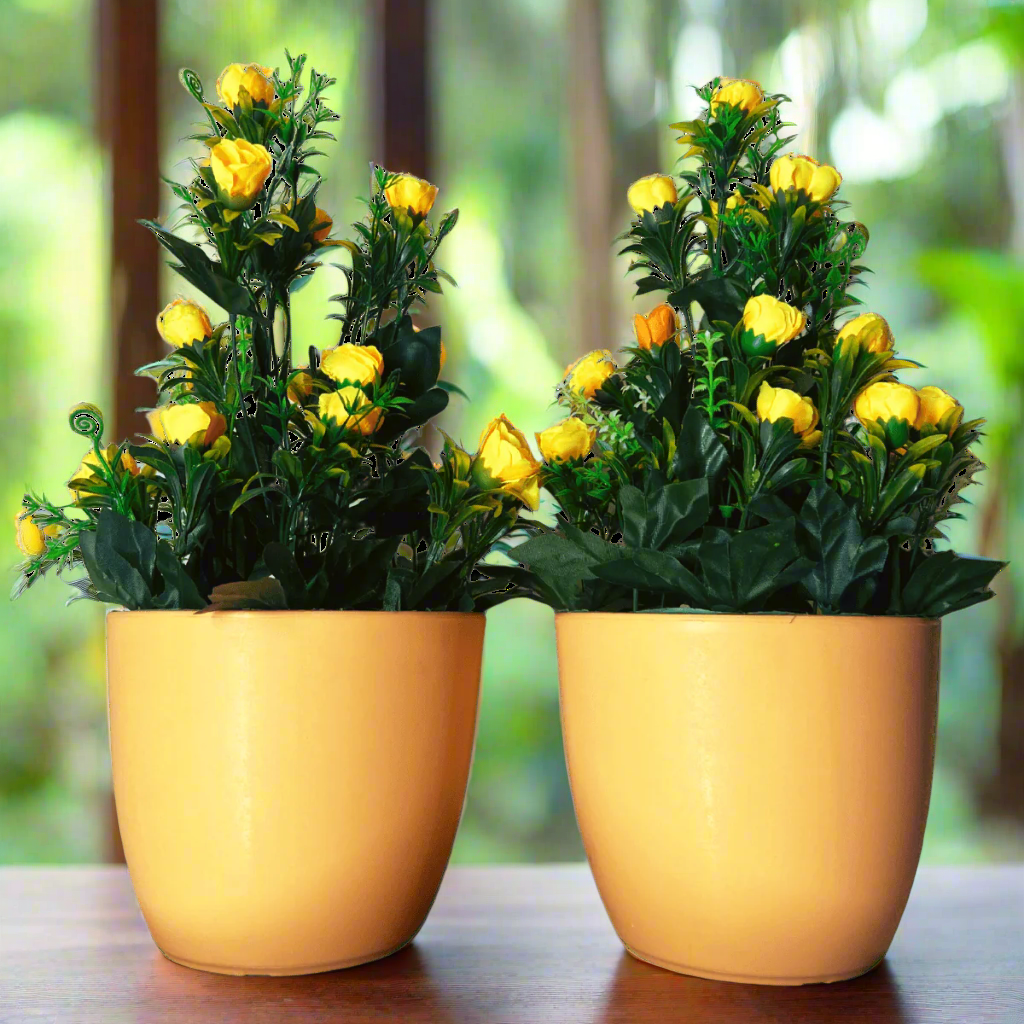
<point>508,944</point>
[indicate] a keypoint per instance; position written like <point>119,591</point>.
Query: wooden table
<point>510,944</point>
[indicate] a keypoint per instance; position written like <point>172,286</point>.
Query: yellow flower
<point>442,358</point>
<point>177,424</point>
<point>768,324</point>
<point>805,174</point>
<point>933,405</point>
<point>31,539</point>
<point>887,400</point>
<point>870,329</point>
<point>356,364</point>
<point>182,321</point>
<point>240,169</point>
<point>505,461</point>
<point>656,328</point>
<point>254,78</point>
<point>736,92</point>
<point>300,387</point>
<point>588,373</point>
<point>651,192</point>
<point>778,403</point>
<point>894,406</point>
<point>90,472</point>
<point>735,200</point>
<point>570,439</point>
<point>322,225</point>
<point>350,408</point>
<point>410,193</point>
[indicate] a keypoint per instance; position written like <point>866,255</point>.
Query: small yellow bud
<point>179,423</point>
<point>350,408</point>
<point>768,324</point>
<point>871,330</point>
<point>736,92</point>
<point>933,405</point>
<point>651,192</point>
<point>778,403</point>
<point>588,373</point>
<point>410,193</point>
<point>354,364</point>
<point>182,322</point>
<point>241,169</point>
<point>804,174</point>
<point>505,462</point>
<point>570,439</point>
<point>254,78</point>
<point>31,539</point>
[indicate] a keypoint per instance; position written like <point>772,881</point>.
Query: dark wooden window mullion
<point>405,108</point>
<point>128,55</point>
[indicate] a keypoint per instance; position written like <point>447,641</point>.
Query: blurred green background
<point>544,111</point>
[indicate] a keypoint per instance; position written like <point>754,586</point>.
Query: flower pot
<point>751,789</point>
<point>289,784</point>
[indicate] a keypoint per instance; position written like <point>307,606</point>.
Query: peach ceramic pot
<point>289,784</point>
<point>751,789</point>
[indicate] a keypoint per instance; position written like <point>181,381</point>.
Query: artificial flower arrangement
<point>265,484</point>
<point>755,450</point>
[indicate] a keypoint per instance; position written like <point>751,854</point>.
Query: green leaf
<point>945,582</point>
<point>120,557</point>
<point>197,268</point>
<point>179,589</point>
<point>840,555</point>
<point>699,452</point>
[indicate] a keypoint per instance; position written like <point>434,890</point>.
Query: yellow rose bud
<point>254,78</point>
<point>240,169</point>
<point>659,326</point>
<point>300,387</point>
<point>933,405</point>
<point>804,174</point>
<point>351,409</point>
<point>769,324</point>
<point>91,472</point>
<point>588,373</point>
<point>442,358</point>
<point>410,193</point>
<point>870,329</point>
<point>31,539</point>
<point>322,225</point>
<point>356,364</point>
<point>733,202</point>
<point>177,424</point>
<point>778,403</point>
<point>570,439</point>
<point>505,461</point>
<point>182,321</point>
<point>893,406</point>
<point>651,192</point>
<point>736,92</point>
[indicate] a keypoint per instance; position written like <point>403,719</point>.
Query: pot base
<point>286,972</point>
<point>749,979</point>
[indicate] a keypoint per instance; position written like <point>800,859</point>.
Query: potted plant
<point>293,676</point>
<point>749,574</point>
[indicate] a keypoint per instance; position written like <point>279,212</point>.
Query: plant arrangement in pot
<point>285,812</point>
<point>751,765</point>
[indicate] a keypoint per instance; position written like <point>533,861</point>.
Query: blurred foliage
<point>926,80</point>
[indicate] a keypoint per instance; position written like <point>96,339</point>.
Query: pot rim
<point>261,612</point>
<point>740,616</point>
